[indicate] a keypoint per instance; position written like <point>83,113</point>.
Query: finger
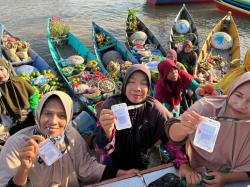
<point>32,143</point>
<point>197,179</point>
<point>188,180</point>
<point>38,138</point>
<point>137,172</point>
<point>212,173</point>
<point>210,182</point>
<point>28,155</point>
<point>28,148</point>
<point>107,117</point>
<point>106,111</point>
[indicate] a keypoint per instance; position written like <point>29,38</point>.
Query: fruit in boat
<point>200,91</point>
<point>209,88</point>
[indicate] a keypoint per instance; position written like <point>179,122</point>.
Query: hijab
<point>68,107</point>
<point>234,137</point>
<point>170,91</point>
<point>225,83</point>
<point>186,43</point>
<point>15,94</point>
<point>133,69</point>
<point>173,52</point>
<point>65,100</point>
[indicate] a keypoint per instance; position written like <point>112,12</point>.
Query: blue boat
<point>73,46</point>
<point>114,44</point>
<point>151,39</point>
<point>35,60</point>
<point>161,2</point>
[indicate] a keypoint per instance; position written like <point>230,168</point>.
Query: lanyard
<point>132,107</point>
<point>230,119</point>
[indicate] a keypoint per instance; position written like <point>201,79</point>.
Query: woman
<point>188,57</point>
<point>129,148</point>
<point>226,81</point>
<point>19,157</point>
<point>172,55</point>
<point>17,98</point>
<point>232,145</point>
<point>171,84</point>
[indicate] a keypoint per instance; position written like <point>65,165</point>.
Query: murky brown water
<point>28,19</point>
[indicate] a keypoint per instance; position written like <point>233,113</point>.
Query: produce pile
<point>15,49</point>
<point>44,82</point>
<point>87,79</point>
<point>59,29</point>
<point>132,21</point>
<point>102,40</point>
<point>213,69</point>
<point>206,90</point>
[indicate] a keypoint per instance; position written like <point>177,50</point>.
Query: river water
<point>28,19</point>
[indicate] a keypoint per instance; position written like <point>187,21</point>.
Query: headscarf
<point>75,168</point>
<point>233,137</point>
<point>64,98</point>
<point>170,91</point>
<point>136,67</point>
<point>186,43</point>
<point>15,94</point>
<point>226,81</point>
<point>173,52</point>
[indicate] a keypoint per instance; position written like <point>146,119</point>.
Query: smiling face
<point>239,102</point>
<point>53,118</point>
<point>4,74</point>
<point>137,87</point>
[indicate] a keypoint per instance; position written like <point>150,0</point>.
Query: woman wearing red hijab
<point>172,82</point>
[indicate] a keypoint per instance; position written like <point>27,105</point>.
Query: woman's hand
<point>192,177</point>
<point>23,115</point>
<point>189,122</point>
<point>28,152</point>
<point>128,172</point>
<point>218,180</point>
<point>107,121</point>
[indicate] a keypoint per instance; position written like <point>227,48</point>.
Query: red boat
<point>237,7</point>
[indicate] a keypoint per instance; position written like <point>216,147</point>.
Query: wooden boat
<point>35,60</point>
<point>239,7</point>
<point>151,39</point>
<point>114,44</point>
<point>73,46</point>
<point>162,2</point>
<point>148,176</point>
<point>225,59</point>
<point>192,34</point>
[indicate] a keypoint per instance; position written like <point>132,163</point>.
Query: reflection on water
<point>28,19</point>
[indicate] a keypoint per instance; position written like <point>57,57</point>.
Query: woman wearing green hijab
<point>17,98</point>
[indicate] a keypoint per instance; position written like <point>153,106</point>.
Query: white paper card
<point>122,116</point>
<point>206,134</point>
<point>49,152</point>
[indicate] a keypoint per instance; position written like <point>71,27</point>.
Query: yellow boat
<point>213,63</point>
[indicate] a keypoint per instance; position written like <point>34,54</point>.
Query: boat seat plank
<point>27,62</point>
<point>106,47</point>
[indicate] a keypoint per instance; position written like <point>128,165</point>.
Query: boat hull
<point>115,45</point>
<point>192,35</point>
<point>162,2</point>
<point>225,6</point>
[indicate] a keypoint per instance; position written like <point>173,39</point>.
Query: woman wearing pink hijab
<point>232,145</point>
<point>171,54</point>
